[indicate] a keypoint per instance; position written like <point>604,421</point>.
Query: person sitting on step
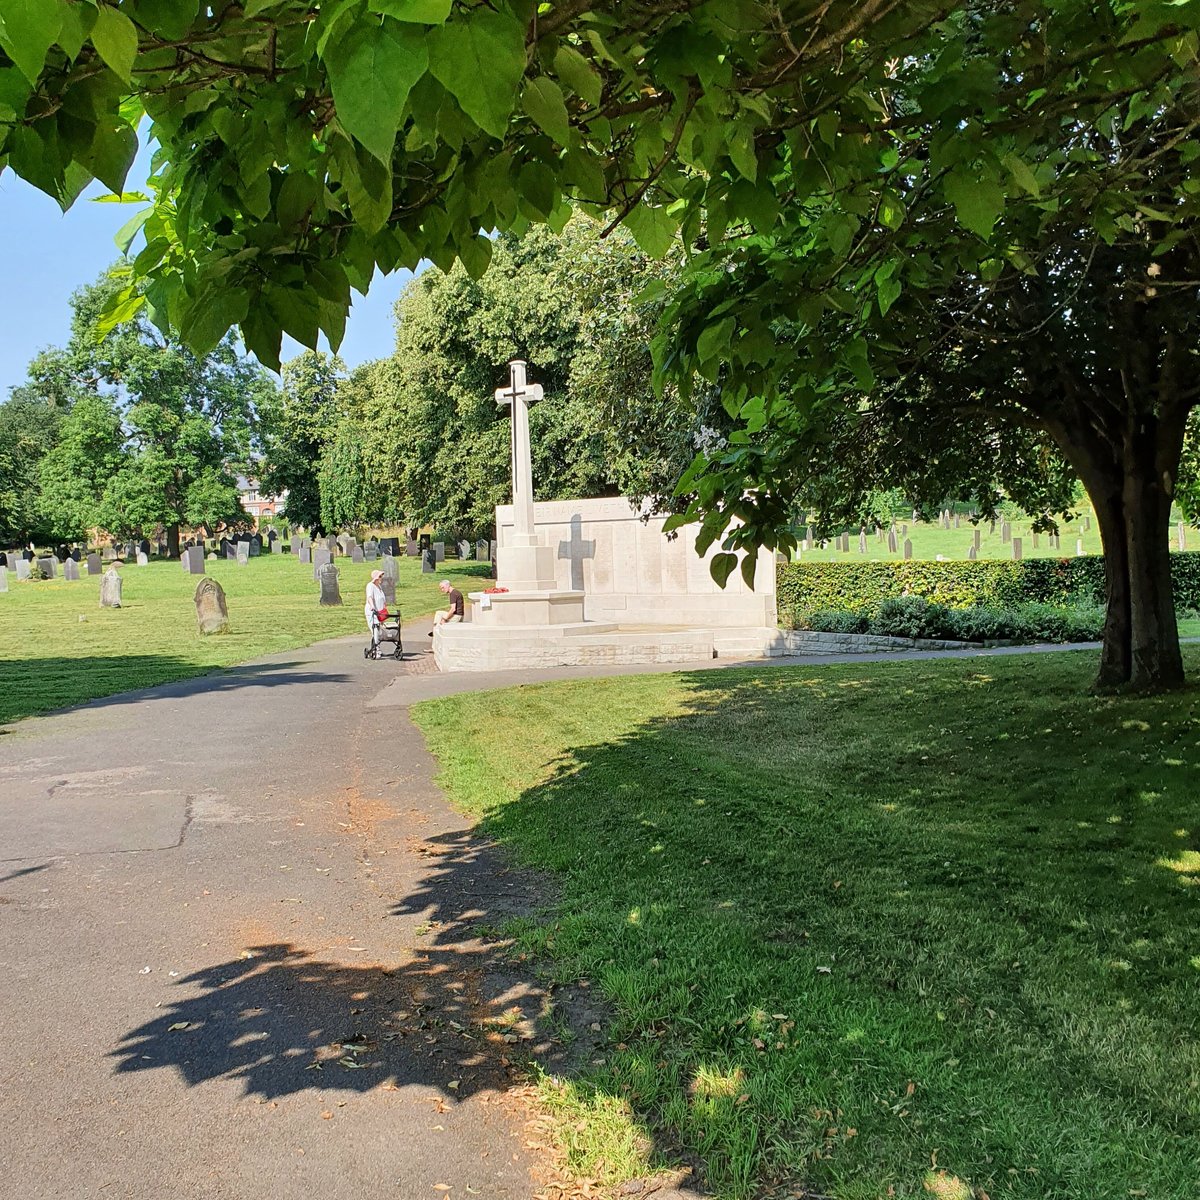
<point>454,612</point>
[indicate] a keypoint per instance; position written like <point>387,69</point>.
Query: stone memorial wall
<point>631,573</point>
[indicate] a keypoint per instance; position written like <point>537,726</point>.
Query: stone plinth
<point>526,568</point>
<point>525,608</point>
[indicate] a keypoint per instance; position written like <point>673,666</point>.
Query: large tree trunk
<point>1130,479</point>
<point>172,541</point>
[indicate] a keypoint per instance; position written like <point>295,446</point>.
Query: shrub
<point>837,622</point>
<point>1075,583</point>
<point>913,617</point>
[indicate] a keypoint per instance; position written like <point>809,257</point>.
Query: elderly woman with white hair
<point>375,608</point>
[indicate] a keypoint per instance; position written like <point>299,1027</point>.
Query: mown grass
<point>869,931</point>
<point>58,647</point>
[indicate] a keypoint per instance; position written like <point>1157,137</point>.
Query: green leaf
<point>722,566</point>
<point>858,361</point>
<point>1023,174</point>
<point>653,229</point>
<point>577,73</point>
<point>116,40</point>
<point>480,60</point>
<point>544,102</point>
<point>476,254</point>
<point>978,202</point>
<point>372,68</point>
<point>889,290</point>
<point>120,307</point>
<point>741,150</point>
<point>418,12</point>
<point>714,339</point>
<point>29,30</point>
<point>131,229</point>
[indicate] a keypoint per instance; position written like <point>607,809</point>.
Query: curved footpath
<point>239,943</point>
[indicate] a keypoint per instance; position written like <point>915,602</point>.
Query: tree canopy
<point>878,192</point>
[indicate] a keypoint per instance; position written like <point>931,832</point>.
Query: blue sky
<point>47,254</point>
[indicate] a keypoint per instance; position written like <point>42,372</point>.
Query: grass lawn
<point>886,930</point>
<point>930,540</point>
<point>58,647</point>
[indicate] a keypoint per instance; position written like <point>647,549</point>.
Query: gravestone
<point>331,544</point>
<point>976,538</point>
<point>439,551</point>
<point>48,566</point>
<point>256,544</point>
<point>1006,532</point>
<point>1181,532</point>
<point>243,553</point>
<point>972,553</point>
<point>272,536</point>
<point>3,579</point>
<point>328,578</point>
<point>904,531</point>
<point>343,542</point>
<point>390,545</point>
<point>28,555</point>
<point>143,559</point>
<point>481,550</point>
<point>371,551</point>
<point>110,588</point>
<point>1079,551</point>
<point>411,548</point>
<point>71,570</point>
<point>321,557</point>
<point>862,541</point>
<point>1016,549</point>
<point>957,520</point>
<point>892,546</point>
<point>212,613</point>
<point>907,549</point>
<point>193,560</point>
<point>230,548</point>
<point>3,558</point>
<point>1035,539</point>
<point>356,554</point>
<point>425,541</point>
<point>93,564</point>
<point>464,550</point>
<point>23,568</point>
<point>390,567</point>
<point>992,528</point>
<point>305,554</point>
<point>305,544</point>
<point>76,554</point>
<point>143,547</point>
<point>388,586</point>
<point>492,551</point>
<point>428,562</point>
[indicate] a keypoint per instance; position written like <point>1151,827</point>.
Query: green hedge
<point>806,588</point>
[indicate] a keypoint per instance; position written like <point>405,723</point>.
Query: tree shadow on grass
<point>41,685</point>
<point>815,887</point>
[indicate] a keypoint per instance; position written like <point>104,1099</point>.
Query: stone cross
<point>520,395</point>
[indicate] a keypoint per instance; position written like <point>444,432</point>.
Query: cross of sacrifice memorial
<point>597,581</point>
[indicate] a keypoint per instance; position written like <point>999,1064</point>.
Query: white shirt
<point>376,600</point>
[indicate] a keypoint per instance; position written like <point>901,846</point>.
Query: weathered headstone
<point>978,534</point>
<point>305,554</point>
<point>28,555</point>
<point>272,536</point>
<point>23,569</point>
<point>229,548</point>
<point>71,570</point>
<point>356,554</point>
<point>327,576</point>
<point>76,553</point>
<point>1016,549</point>
<point>907,549</point>
<point>1035,539</point>
<point>331,544</point>
<point>343,542</point>
<point>428,561</point>
<point>110,588</point>
<point>256,544</point>
<point>212,613</point>
<point>439,551</point>
<point>957,520</point>
<point>862,541</point>
<point>193,560</point>
<point>371,551</point>
<point>892,544</point>
<point>390,567</point>
<point>93,564</point>
<point>390,545</point>
<point>321,556</point>
<point>412,548</point>
<point>143,559</point>
<point>143,547</point>
<point>388,585</point>
<point>3,579</point>
<point>481,550</point>
<point>425,541</point>
<point>1005,532</point>
<point>972,553</point>
<point>1079,551</point>
<point>243,553</point>
<point>48,566</point>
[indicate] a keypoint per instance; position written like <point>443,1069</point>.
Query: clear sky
<point>46,254</point>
